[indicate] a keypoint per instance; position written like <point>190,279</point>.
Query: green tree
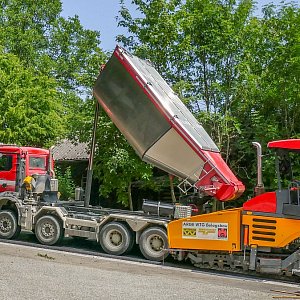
<point>196,46</point>
<point>31,107</point>
<point>268,89</point>
<point>238,73</point>
<point>66,185</point>
<point>55,47</point>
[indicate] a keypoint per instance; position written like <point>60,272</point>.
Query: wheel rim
<point>114,238</point>
<point>48,230</point>
<point>5,225</point>
<point>155,244</point>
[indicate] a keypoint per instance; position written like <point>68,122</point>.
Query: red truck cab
<point>18,162</point>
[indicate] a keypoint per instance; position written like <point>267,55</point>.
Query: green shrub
<point>66,185</point>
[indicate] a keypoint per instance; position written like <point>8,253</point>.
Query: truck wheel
<point>153,242</point>
<point>48,230</point>
<point>115,238</point>
<point>9,228</point>
<point>132,242</point>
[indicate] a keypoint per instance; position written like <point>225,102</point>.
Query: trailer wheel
<point>116,238</point>
<point>9,228</point>
<point>153,242</point>
<point>132,242</point>
<point>48,230</point>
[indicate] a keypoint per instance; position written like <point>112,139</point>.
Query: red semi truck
<point>29,201</point>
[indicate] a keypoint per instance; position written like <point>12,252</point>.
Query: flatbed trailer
<point>117,231</point>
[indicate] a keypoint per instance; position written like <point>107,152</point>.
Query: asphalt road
<point>32,273</point>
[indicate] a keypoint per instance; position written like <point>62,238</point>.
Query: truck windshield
<point>5,162</point>
<point>37,163</point>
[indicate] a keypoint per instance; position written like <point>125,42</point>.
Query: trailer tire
<point>116,238</point>
<point>48,230</point>
<point>132,242</point>
<point>9,228</point>
<point>153,242</point>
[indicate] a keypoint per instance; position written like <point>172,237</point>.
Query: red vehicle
<point>18,162</point>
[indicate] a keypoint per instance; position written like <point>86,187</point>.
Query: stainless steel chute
<point>159,126</point>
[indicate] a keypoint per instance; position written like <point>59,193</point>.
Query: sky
<point>101,15</point>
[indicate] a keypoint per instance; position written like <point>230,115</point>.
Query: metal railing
<point>188,183</point>
<point>294,192</point>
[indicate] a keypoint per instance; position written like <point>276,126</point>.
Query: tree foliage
<point>66,186</point>
<point>52,49</point>
<point>31,107</point>
<point>238,73</point>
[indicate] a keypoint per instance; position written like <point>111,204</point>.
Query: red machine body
<point>291,145</point>
<point>18,162</point>
<point>278,201</point>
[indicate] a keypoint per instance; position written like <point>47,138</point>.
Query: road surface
<point>33,273</point>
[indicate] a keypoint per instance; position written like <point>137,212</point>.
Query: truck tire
<point>132,242</point>
<point>116,238</point>
<point>48,230</point>
<point>9,228</point>
<point>153,243</point>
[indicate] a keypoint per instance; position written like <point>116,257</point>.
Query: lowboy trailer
<point>115,230</point>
